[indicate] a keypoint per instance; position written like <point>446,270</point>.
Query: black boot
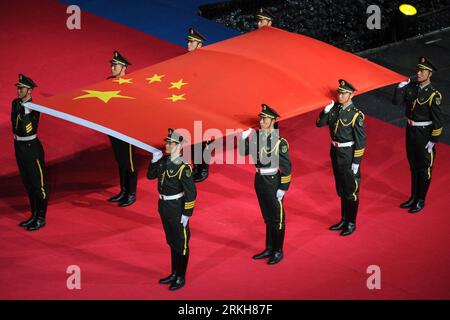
<point>414,182</point>
<point>269,245</point>
<point>41,209</point>
<point>123,188</point>
<point>423,187</point>
<point>277,254</point>
<point>33,217</point>
<point>417,207</point>
<point>172,277</point>
<point>131,183</point>
<point>181,273</point>
<point>352,213</point>
<point>341,224</point>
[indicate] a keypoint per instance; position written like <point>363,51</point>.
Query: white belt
<point>172,197</point>
<point>267,170</point>
<point>341,145</point>
<point>419,124</point>
<point>29,138</point>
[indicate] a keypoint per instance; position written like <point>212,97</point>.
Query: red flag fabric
<point>222,84</point>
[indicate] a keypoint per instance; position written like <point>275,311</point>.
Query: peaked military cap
<point>25,82</point>
<point>268,112</point>
<point>194,35</point>
<point>173,137</point>
<point>426,64</point>
<point>264,14</point>
<point>119,59</point>
<point>345,86</point>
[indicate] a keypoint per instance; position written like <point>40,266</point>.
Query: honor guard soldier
<point>201,167</point>
<point>124,152</point>
<point>270,153</point>
<point>177,193</point>
<point>265,18</point>
<point>425,122</point>
<point>194,40</point>
<point>348,135</point>
<point>29,153</point>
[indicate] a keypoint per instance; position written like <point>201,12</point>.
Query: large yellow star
<point>176,97</point>
<point>178,84</point>
<point>155,78</point>
<point>122,80</point>
<point>105,96</point>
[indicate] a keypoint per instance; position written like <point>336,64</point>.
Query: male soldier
<point>348,143</point>
<point>201,167</point>
<point>29,153</point>
<point>124,152</point>
<point>424,127</point>
<point>270,154</point>
<point>265,18</point>
<point>177,193</point>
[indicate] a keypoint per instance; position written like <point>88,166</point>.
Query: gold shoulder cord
<point>176,173</point>
<point>429,100</point>
<point>275,148</point>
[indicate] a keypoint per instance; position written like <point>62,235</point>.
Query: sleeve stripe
<point>189,205</point>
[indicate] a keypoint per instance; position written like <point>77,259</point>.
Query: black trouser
<point>125,157</point>
<point>177,236</point>
<point>272,209</point>
<point>347,183</point>
<point>420,160</point>
<point>30,160</point>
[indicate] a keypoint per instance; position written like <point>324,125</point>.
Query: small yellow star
<point>122,80</point>
<point>105,96</point>
<point>155,78</point>
<point>176,97</point>
<point>177,84</point>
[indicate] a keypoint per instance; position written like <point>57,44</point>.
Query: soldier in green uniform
<point>265,18</point>
<point>348,135</point>
<point>124,152</point>
<point>195,41</point>
<point>29,153</point>
<point>425,122</point>
<point>177,193</point>
<point>270,153</point>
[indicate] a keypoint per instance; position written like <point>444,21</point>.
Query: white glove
<point>429,146</point>
<point>184,220</point>
<point>404,83</point>
<point>280,194</point>
<point>27,110</point>
<point>355,168</point>
<point>328,107</point>
<point>156,156</point>
<point>246,133</point>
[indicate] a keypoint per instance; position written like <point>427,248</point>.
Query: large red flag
<point>223,85</point>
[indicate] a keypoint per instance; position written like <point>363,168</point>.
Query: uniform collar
<point>346,108</point>
<point>29,100</point>
<point>425,86</point>
<point>177,160</point>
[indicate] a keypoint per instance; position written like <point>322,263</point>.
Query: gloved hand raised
<point>328,107</point>
<point>404,83</point>
<point>246,133</point>
<point>156,156</point>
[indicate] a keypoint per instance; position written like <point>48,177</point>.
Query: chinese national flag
<point>222,84</point>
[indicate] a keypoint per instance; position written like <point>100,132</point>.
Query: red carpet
<point>122,251</point>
